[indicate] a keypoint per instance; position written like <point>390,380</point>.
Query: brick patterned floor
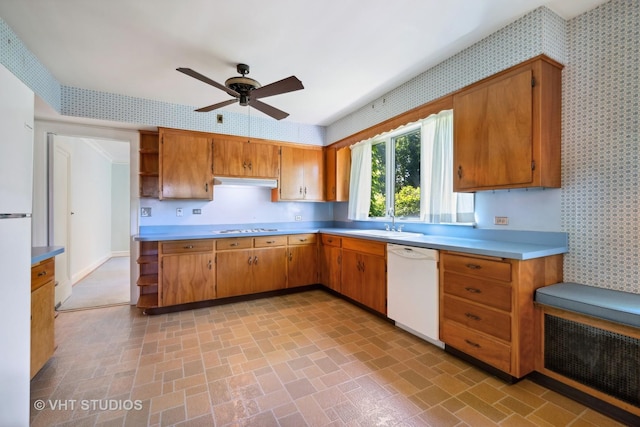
<point>307,359</point>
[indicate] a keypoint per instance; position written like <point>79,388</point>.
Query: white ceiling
<point>347,53</point>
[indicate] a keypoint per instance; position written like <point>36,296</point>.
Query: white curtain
<point>439,204</point>
<point>360,182</point>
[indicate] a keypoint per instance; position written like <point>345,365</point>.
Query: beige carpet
<point>105,286</point>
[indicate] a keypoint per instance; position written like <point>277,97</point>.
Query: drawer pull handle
<point>472,344</point>
<point>188,247</point>
<point>302,240</point>
<point>474,266</point>
<point>250,260</point>
<point>472,316</point>
<point>42,273</point>
<point>234,244</point>
<point>255,260</point>
<point>270,241</point>
<point>473,290</point>
<point>330,240</point>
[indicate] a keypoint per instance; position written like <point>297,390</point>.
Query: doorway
<point>90,206</point>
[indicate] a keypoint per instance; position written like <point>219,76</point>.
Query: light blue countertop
<point>40,253</point>
<point>504,244</point>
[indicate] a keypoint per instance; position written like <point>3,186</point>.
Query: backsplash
<point>600,147</point>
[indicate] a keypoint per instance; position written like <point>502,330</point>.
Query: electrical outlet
<point>501,220</point>
<point>145,211</point>
<point>298,217</point>
<point>178,211</point>
<point>197,211</point>
<point>220,119</point>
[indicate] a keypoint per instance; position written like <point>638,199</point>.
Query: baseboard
<point>75,278</point>
<point>119,253</point>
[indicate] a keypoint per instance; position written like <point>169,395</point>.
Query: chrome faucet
<point>393,219</point>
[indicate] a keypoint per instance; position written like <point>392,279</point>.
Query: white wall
<point>234,205</point>
<point>120,183</point>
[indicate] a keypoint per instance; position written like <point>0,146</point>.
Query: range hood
<point>246,182</point>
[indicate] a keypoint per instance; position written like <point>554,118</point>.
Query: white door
<point>62,220</point>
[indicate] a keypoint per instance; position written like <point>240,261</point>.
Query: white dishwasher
<point>412,290</point>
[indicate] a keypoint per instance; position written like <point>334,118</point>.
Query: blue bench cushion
<point>616,306</point>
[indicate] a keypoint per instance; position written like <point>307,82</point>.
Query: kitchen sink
<point>385,233</point>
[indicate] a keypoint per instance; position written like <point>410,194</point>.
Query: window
<point>397,192</point>
<point>409,173</point>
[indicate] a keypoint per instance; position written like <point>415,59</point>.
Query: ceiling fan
<point>248,91</point>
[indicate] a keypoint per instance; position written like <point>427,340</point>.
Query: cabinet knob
<point>234,244</point>
<point>206,187</point>
<point>209,264</point>
<point>460,171</point>
<point>250,260</point>
<point>42,273</point>
<point>290,256</point>
<point>187,247</point>
<point>473,290</point>
<point>300,189</point>
<point>473,266</point>
<point>255,260</point>
<point>270,242</point>
<point>472,316</point>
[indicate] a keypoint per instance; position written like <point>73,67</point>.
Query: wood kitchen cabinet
<point>186,165</point>
<point>248,265</point>
<point>506,129</point>
<point>42,313</point>
<point>337,174</point>
<point>331,261</point>
<point>242,157</point>
<point>149,164</point>
<point>364,273</point>
<point>301,174</point>
<point>187,272</point>
<point>486,307</point>
<point>302,260</point>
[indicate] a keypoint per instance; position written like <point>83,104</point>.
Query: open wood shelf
<point>148,301</point>
<point>147,280</point>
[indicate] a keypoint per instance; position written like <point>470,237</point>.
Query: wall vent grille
<point>600,359</point>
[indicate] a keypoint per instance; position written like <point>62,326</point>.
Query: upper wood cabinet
<point>301,174</point>
<point>240,157</point>
<point>186,164</point>
<point>149,164</point>
<point>507,129</point>
<point>337,166</point>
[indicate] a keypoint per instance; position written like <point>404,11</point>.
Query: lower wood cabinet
<point>248,265</point>
<point>302,260</point>
<point>187,272</point>
<point>364,273</point>
<point>330,258</point>
<point>486,307</point>
<point>42,313</point>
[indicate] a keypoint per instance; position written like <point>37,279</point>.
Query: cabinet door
<point>263,159</point>
<point>233,270</point>
<point>313,177</point>
<point>269,269</point>
<point>302,265</point>
<point>330,268</point>
<point>228,157</point>
<point>493,133</point>
<point>42,326</point>
<point>343,174</point>
<point>185,166</point>
<point>291,173</point>
<point>330,174</point>
<point>187,278</point>
<point>351,285</point>
<point>374,282</point>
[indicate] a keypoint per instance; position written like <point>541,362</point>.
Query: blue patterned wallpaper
<point>540,31</point>
<point>601,148</point>
<point>23,64</point>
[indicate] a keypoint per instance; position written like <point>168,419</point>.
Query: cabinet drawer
<point>479,267</point>
<point>330,240</point>
<point>302,239</point>
<point>266,241</point>
<point>492,322</point>
<point>477,345</point>
<point>42,273</point>
<point>365,246</point>
<point>494,294</point>
<point>186,246</point>
<point>237,243</point>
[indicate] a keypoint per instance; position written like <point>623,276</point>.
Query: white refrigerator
<point>16,182</point>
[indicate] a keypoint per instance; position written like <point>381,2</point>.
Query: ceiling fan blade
<point>207,80</point>
<point>268,109</point>
<point>289,84</point>
<point>216,106</point>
